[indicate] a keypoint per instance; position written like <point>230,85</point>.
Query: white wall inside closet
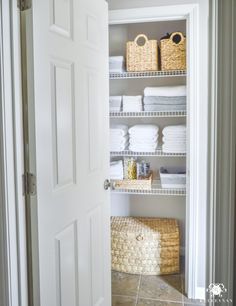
<point>138,205</point>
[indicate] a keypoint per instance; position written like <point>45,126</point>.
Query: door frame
<point>13,284</point>
<point>13,281</point>
<point>196,201</point>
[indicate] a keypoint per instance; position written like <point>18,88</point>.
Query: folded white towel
<point>118,129</point>
<point>132,99</point>
<point>132,103</point>
<point>144,129</point>
<point>115,100</point>
<point>119,58</point>
<point>116,170</point>
<point>116,64</point>
<point>164,108</point>
<point>157,100</point>
<point>115,109</point>
<point>166,91</point>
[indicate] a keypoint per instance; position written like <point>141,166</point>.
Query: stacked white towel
<point>116,170</point>
<point>174,139</point>
<point>165,98</point>
<point>118,137</point>
<point>116,64</point>
<point>115,103</point>
<point>132,104</point>
<point>143,138</point>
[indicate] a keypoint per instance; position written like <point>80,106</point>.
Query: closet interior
<point>156,199</point>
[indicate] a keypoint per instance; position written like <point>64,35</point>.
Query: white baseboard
<point>200,293</point>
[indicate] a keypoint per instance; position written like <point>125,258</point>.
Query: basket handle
<point>139,36</point>
<point>139,237</point>
<point>179,34</point>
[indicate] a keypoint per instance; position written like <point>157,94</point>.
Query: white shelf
<point>158,153</point>
<point>155,190</point>
<point>145,114</point>
<point>147,74</point>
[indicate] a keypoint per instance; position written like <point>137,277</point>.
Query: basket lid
<point>144,225</point>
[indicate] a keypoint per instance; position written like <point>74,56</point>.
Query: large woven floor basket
<point>148,246</point>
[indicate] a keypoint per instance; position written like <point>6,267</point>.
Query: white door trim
<point>8,213</point>
<point>13,276</point>
<point>222,153</point>
<point>197,199</point>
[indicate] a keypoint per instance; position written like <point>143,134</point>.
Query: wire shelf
<point>155,190</point>
<point>158,153</point>
<point>147,74</point>
<point>145,114</point>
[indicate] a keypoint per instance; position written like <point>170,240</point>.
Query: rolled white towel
<point>119,147</point>
<point>174,130</point>
<point>143,148</point>
<point>174,149</point>
<point>119,140</point>
<point>118,129</point>
<point>166,91</point>
<point>143,141</point>
<point>175,139</point>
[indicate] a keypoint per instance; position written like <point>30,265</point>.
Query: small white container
<point>173,177</point>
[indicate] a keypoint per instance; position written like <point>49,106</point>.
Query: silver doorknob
<point>107,184</point>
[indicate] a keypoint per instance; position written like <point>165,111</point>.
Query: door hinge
<point>24,5</point>
<point>29,184</point>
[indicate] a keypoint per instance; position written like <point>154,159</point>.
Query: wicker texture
<point>143,184</point>
<point>149,246</point>
<point>173,52</point>
<point>142,58</point>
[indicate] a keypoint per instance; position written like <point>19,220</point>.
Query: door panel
<point>64,152</point>
<point>71,127</point>
<point>66,245</point>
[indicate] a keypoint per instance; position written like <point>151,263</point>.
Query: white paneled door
<point>71,93</point>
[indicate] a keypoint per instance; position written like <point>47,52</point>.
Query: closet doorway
<point>186,205</point>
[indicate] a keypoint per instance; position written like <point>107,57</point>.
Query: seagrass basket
<point>148,246</point>
<point>138,184</point>
<point>173,52</point>
<point>142,57</point>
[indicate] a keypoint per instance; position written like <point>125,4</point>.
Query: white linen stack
<point>143,138</point>
<point>174,139</point>
<point>165,98</point>
<point>116,170</point>
<point>132,104</point>
<point>115,103</point>
<point>116,64</point>
<point>118,137</point>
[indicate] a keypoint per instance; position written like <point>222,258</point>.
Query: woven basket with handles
<point>142,57</point>
<point>173,52</point>
<point>148,246</point>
